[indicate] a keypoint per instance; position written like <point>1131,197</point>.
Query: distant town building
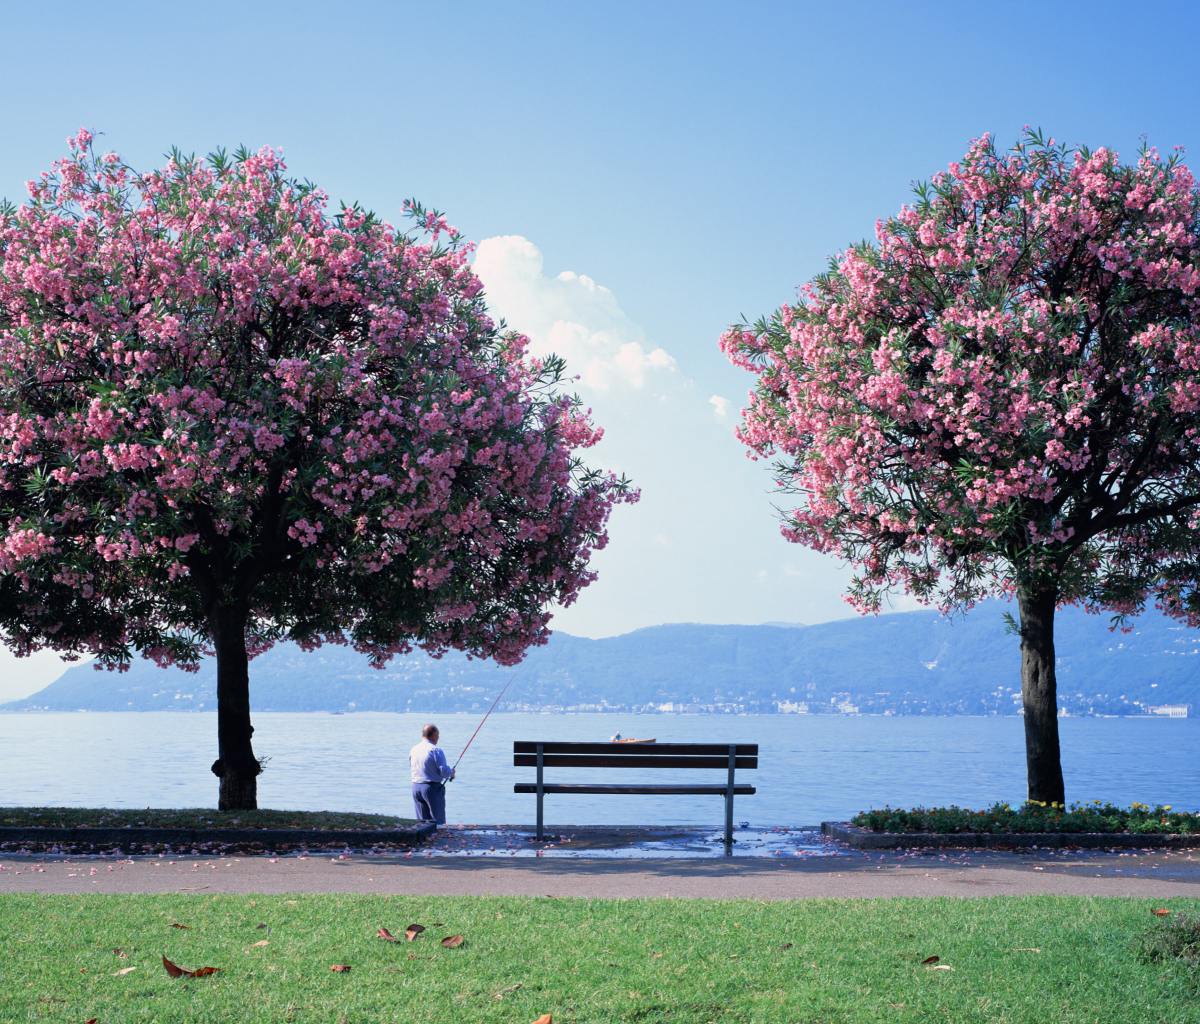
<point>848,708</point>
<point>791,707</point>
<point>1171,710</point>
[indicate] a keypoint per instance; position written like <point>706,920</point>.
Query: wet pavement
<point>625,842</point>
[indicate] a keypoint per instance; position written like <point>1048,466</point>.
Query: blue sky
<point>681,164</point>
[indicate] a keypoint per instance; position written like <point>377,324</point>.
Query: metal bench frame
<point>543,754</point>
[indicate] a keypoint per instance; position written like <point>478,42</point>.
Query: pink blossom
<point>1002,392</point>
<point>206,376</point>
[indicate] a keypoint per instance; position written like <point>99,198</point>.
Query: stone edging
<point>864,839</point>
<point>178,838</point>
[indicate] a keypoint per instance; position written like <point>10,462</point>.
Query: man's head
<point>430,732</point>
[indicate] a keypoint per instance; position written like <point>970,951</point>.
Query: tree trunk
<point>1039,694</point>
<point>236,766</point>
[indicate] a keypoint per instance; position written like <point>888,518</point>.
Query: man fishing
<point>430,773</point>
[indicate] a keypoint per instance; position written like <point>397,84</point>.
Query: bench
<point>726,756</point>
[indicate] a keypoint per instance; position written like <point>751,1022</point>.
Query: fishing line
<point>485,718</point>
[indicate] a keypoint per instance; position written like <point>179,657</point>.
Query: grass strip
<point>192,817</point>
<point>1013,959</point>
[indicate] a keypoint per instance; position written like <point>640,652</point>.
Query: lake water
<point>813,768</point>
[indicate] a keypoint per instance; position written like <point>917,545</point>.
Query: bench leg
<point>540,792</point>
<point>729,798</point>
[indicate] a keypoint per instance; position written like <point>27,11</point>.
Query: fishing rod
<point>485,718</point>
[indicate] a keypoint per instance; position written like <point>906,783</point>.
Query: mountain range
<point>917,662</point>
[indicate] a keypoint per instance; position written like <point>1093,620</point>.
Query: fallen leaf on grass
<point>504,991</point>
<point>185,927</point>
<point>260,942</point>
<point>939,967</point>
<point>545,1018</point>
<point>92,1020</point>
<point>121,953</point>
<point>175,971</point>
<point>383,933</point>
<point>437,924</point>
<point>931,960</point>
<point>413,956</point>
<point>787,945</point>
<point>260,926</point>
<point>1025,949</point>
<point>341,968</point>
<point>452,941</point>
<point>1160,912</point>
<point>124,970</point>
<point>657,956</point>
<point>413,930</point>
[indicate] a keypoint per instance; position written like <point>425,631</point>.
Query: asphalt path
<point>837,875</point>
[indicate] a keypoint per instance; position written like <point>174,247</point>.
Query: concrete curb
<point>178,838</point>
<point>864,839</point>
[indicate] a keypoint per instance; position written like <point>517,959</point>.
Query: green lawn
<point>680,961</point>
<point>192,817</point>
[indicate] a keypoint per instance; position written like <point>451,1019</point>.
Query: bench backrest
<point>634,755</point>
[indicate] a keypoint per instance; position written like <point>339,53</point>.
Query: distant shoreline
<point>907,664</point>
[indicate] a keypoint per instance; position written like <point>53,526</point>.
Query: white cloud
<point>686,551</point>
<point>569,315</point>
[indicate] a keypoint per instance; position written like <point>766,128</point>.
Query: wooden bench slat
<point>568,787</point>
<point>638,749</point>
<point>607,761</point>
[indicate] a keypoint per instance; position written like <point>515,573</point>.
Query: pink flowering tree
<point>229,418</point>
<point>1000,396</point>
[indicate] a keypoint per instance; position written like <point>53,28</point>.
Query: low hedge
<point>1033,816</point>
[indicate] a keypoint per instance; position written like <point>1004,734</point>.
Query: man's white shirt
<point>428,763</point>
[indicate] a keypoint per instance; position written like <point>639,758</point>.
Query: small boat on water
<point>618,738</point>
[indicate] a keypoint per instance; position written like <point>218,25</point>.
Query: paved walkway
<point>1152,875</point>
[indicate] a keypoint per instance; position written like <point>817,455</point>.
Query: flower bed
<point>1032,817</point>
